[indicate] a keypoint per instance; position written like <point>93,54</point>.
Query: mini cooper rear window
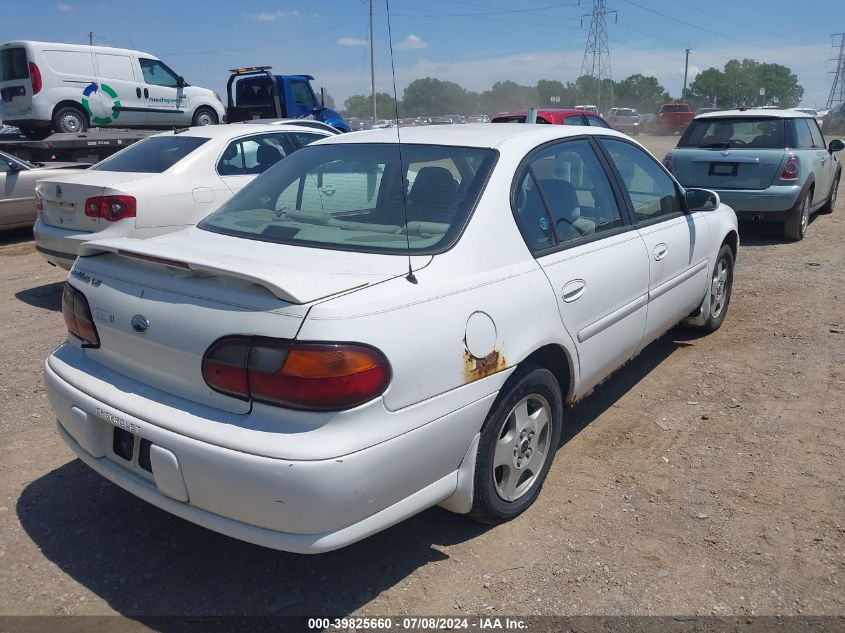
<point>738,132</point>
<point>361,197</point>
<point>152,155</point>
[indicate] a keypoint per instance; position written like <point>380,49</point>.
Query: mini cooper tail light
<point>110,208</point>
<point>667,162</point>
<point>35,78</point>
<point>791,169</point>
<point>77,315</point>
<point>313,376</point>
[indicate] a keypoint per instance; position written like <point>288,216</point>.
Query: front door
<point>245,158</point>
<point>676,242</point>
<point>119,92</point>
<point>166,102</point>
<point>827,171</point>
<point>594,258</point>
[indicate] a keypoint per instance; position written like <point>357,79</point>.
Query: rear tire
<point>518,443</point>
<point>795,228</point>
<point>205,116</point>
<point>70,120</point>
<point>831,198</point>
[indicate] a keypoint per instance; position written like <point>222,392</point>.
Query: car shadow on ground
<point>143,561</point>
<point>765,233</point>
<point>48,296</point>
<point>15,236</point>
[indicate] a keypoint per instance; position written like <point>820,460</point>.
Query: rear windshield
<point>676,108</point>
<point>152,155</point>
<point>254,92</point>
<point>361,197</point>
<point>626,112</point>
<point>757,132</point>
<point>13,64</point>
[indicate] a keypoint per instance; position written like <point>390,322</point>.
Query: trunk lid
<point>727,168</point>
<point>64,197</point>
<point>209,291</point>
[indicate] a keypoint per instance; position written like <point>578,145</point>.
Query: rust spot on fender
<point>475,368</point>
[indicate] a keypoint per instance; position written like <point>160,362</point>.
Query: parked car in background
<point>440,120</point>
<point>673,117</point>
<point>706,110</point>
<point>358,124</point>
<point>478,118</point>
<point>625,120</point>
<point>17,187</point>
<point>834,121</point>
<point>648,122</point>
<point>554,117</point>
<point>455,118</point>
<point>70,87</point>
<point>588,108</point>
<point>159,185</point>
<point>771,165</point>
<point>423,120</point>
<point>255,374</point>
<point>381,124</point>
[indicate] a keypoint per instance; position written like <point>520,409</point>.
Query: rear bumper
<point>59,246</point>
<point>303,506</point>
<point>773,204</point>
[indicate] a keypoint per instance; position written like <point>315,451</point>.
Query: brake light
<point>791,169</point>
<point>110,208</point>
<point>667,162</point>
<point>35,78</point>
<point>77,315</point>
<point>39,201</point>
<point>314,376</point>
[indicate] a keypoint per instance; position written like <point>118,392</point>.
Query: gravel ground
<point>706,477</point>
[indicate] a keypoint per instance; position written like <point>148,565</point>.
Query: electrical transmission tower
<point>596,62</point>
<point>837,90</point>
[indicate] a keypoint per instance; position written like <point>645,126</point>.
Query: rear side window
<point>651,190</point>
<point>803,136</point>
<point>738,132</point>
<point>13,64</point>
<point>151,156</point>
<point>818,139</point>
<point>254,155</point>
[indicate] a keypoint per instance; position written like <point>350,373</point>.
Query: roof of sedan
<point>470,135</point>
<point>233,130</point>
<point>756,112</point>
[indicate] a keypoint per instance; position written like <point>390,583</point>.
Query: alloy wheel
<point>522,448</point>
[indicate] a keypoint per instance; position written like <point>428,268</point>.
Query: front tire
<point>795,228</point>
<point>205,116</point>
<point>720,288</point>
<point>517,446</point>
<point>70,120</point>
<point>831,198</point>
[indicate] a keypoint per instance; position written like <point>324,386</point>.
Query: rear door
<point>677,242</point>
<point>15,83</point>
<point>119,91</point>
<point>575,224</point>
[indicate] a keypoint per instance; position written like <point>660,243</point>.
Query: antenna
<point>410,276</point>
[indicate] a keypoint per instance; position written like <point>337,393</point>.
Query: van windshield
<point>361,197</point>
<point>153,155</point>
<point>13,64</point>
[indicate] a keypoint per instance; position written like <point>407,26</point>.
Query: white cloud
<point>411,42</point>
<point>351,41</point>
<point>271,17</point>
<point>64,8</point>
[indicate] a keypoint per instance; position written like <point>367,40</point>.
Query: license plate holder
<point>723,169</point>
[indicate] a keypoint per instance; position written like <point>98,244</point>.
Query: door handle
<point>328,190</point>
<point>138,92</point>
<point>574,290</point>
<point>660,252</point>
<point>146,93</point>
<point>823,160</point>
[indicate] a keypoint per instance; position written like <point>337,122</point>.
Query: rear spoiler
<point>286,283</point>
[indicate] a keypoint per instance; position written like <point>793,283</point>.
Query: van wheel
<point>795,228</point>
<point>70,120</point>
<point>517,446</point>
<point>205,116</point>
<point>831,198</point>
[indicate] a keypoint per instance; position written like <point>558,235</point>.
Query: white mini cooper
<point>369,329</point>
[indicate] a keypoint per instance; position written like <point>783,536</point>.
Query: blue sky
<point>473,42</point>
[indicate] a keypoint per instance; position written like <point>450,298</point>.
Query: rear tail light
<point>35,78</point>
<point>39,201</point>
<point>667,162</point>
<point>314,376</point>
<point>110,208</point>
<point>791,169</point>
<point>77,314</point>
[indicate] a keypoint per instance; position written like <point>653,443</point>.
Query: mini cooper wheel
<point>831,198</point>
<point>517,446</point>
<point>795,228</point>
<point>721,284</point>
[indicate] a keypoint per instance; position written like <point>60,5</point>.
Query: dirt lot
<point>704,478</point>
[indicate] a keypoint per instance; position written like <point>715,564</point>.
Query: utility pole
<point>596,62</point>
<point>837,90</point>
<point>373,62</point>
<point>686,71</point>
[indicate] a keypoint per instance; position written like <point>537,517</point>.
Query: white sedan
<point>334,350</point>
<point>159,185</point>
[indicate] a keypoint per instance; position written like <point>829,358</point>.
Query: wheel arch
<point>557,359</point>
<point>70,103</point>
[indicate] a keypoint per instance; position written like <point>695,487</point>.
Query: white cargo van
<point>71,87</point>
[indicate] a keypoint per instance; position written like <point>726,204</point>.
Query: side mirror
<point>180,82</point>
<point>702,200</point>
<point>836,145</point>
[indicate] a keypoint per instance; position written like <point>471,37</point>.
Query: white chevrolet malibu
<point>369,329</point>
<point>159,185</point>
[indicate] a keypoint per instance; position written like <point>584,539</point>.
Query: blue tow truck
<point>255,93</point>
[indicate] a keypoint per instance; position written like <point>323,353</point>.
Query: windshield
<point>360,197</point>
<point>626,112</point>
<point>762,132</point>
<point>153,155</point>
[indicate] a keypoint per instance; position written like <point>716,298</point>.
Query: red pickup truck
<point>673,117</point>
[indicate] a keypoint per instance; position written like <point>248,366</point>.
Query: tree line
<point>738,84</point>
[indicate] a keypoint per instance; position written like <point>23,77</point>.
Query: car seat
<point>565,210</point>
<point>433,196</point>
<point>266,156</point>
